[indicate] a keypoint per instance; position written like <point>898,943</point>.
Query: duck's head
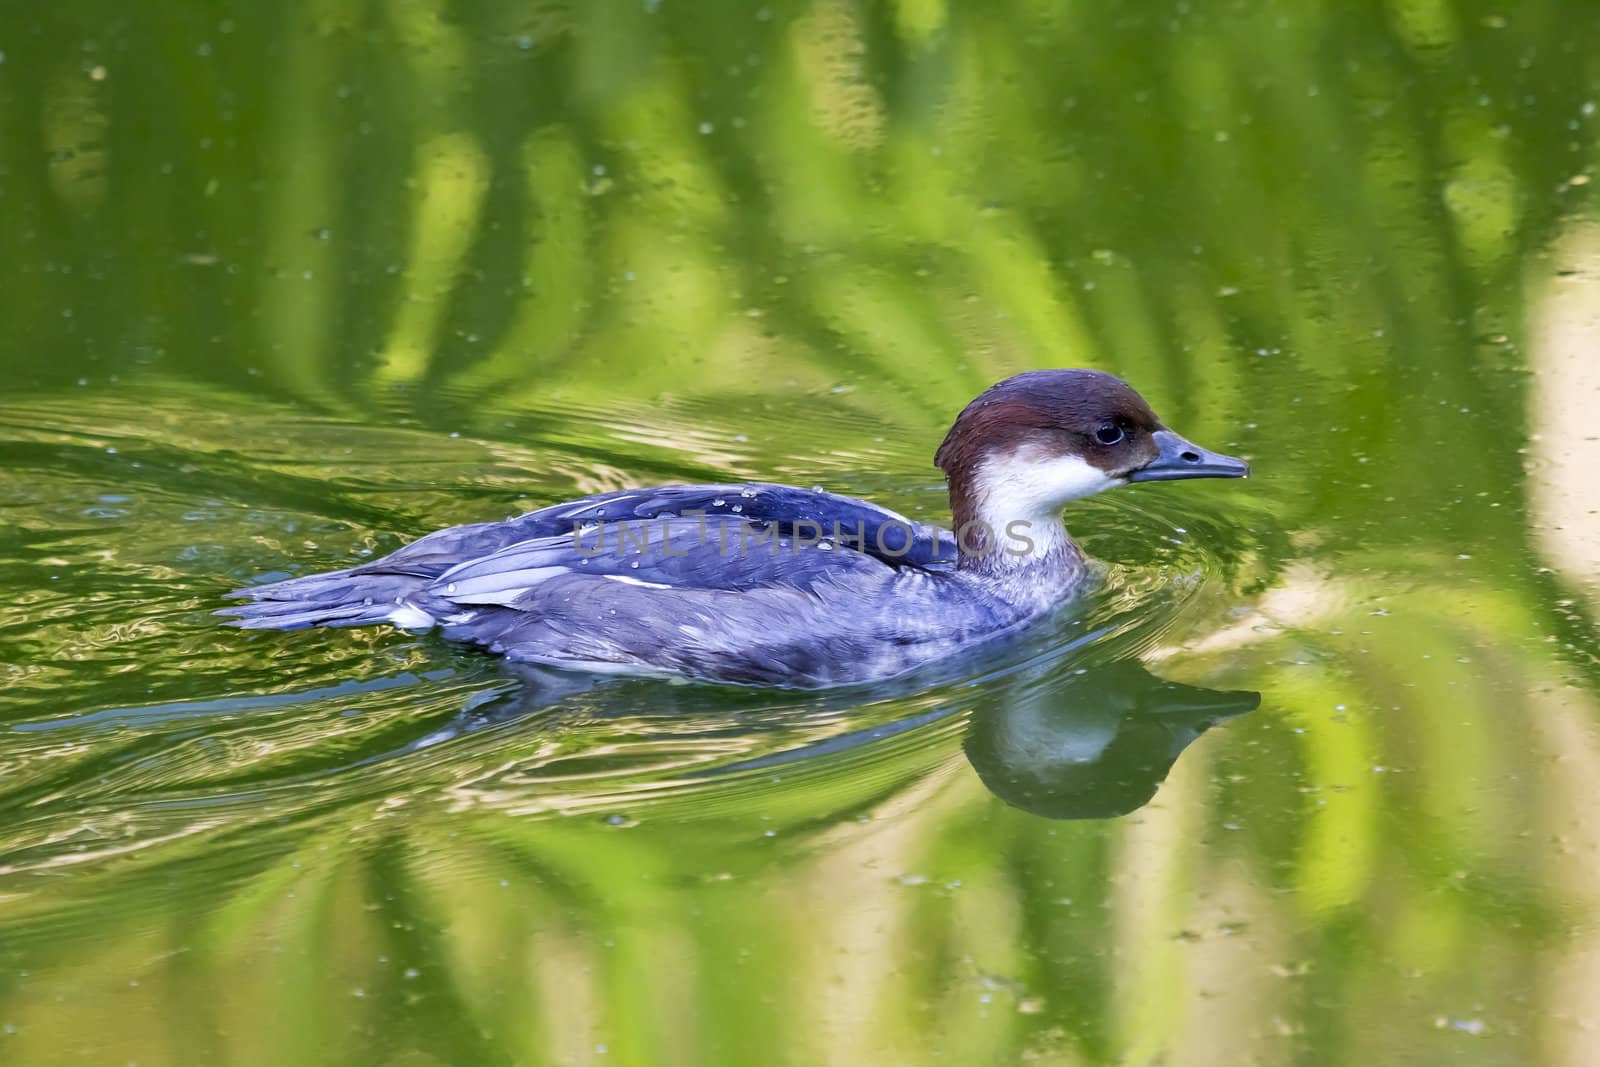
<point>1031,443</point>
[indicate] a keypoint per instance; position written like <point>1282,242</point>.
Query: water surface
<point>1309,777</point>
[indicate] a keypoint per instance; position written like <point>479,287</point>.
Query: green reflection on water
<point>286,285</point>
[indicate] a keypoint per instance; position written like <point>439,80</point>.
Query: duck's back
<point>761,584</point>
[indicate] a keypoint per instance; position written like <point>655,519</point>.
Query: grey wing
<point>388,589</point>
<point>714,598</point>
<point>874,530</point>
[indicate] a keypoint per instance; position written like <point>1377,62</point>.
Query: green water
<point>283,286</point>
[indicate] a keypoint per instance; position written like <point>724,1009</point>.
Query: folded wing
<point>729,538</point>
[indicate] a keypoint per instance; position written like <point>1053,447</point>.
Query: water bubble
<point>1465,1026</point>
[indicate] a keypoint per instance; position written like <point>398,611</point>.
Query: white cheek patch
<point>1029,485</point>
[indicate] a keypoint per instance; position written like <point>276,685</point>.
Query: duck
<point>765,584</point>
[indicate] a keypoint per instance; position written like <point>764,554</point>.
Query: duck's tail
<point>338,598</point>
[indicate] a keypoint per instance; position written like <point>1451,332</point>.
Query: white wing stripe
<point>499,588</point>
<point>640,582</point>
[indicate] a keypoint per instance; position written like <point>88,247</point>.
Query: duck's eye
<point>1109,435</point>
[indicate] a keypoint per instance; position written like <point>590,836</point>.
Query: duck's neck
<point>1017,541</point>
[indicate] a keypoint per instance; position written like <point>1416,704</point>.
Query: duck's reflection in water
<point>1090,742</point>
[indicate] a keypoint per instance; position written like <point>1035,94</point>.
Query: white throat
<point>1026,490</point>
